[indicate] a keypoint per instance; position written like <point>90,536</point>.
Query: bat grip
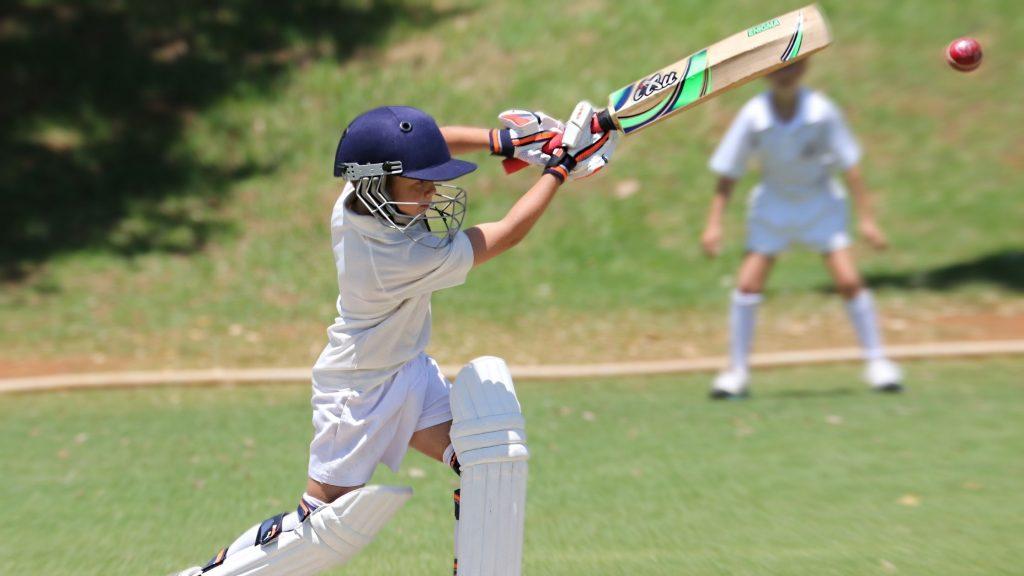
<point>600,122</point>
<point>596,127</point>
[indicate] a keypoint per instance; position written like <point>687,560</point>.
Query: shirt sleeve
<point>733,153</point>
<point>841,142</point>
<point>431,269</point>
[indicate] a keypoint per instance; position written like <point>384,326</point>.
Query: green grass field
<point>814,475</point>
<point>174,212</point>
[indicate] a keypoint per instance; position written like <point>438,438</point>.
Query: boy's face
<point>420,192</point>
<point>787,80</point>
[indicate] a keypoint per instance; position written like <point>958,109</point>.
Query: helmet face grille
<point>434,226</point>
<point>443,217</point>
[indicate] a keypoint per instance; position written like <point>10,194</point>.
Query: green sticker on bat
<point>762,27</point>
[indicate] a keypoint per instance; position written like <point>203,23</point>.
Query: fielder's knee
<point>849,289</point>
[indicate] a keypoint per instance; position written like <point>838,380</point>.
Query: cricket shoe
<point>883,376</point>
<point>730,384</point>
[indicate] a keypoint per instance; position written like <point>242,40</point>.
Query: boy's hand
<point>711,240</point>
<point>873,234</point>
<point>584,160</point>
<point>524,136</point>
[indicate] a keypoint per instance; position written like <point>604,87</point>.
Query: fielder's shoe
<point>731,383</point>
<point>883,376</point>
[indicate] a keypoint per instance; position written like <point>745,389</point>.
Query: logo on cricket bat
<point>654,84</point>
<point>762,27</point>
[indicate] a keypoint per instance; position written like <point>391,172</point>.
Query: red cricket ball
<point>964,54</point>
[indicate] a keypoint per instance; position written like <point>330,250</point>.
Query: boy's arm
<point>867,224</point>
<point>465,139</point>
<point>493,238</point>
<point>730,162</point>
<point>523,135</point>
<point>711,239</point>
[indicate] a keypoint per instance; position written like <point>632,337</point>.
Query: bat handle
<point>600,122</point>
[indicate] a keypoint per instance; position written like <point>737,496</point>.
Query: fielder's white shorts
<point>357,427</point>
<point>775,223</point>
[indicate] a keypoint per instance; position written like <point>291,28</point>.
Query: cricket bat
<point>726,64</point>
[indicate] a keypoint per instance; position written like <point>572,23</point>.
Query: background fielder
<point>800,140</point>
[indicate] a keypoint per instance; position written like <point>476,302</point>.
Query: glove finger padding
<point>594,155</point>
<point>524,135</point>
<point>529,122</point>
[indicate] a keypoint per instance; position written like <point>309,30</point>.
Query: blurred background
<point>165,170</point>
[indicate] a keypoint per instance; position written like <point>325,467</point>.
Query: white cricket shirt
<point>384,285</point>
<point>798,157</point>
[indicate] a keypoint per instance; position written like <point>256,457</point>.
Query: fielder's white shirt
<point>384,285</point>
<point>797,157</point>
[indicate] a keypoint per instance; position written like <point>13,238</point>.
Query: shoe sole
<point>723,395</point>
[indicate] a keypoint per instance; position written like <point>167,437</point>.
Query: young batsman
<point>397,238</point>
<point>800,140</point>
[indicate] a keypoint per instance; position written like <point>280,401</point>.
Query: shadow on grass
<point>96,97</point>
<point>816,393</point>
<point>1004,269</point>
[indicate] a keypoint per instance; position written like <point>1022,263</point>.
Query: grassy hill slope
<point>606,272</point>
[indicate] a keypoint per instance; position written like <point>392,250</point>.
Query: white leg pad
<point>488,433</point>
<point>329,537</point>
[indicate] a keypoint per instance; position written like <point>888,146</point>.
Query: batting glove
<point>592,152</point>
<point>524,136</point>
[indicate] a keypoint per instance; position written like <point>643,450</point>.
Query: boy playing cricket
<point>800,139</point>
<point>397,238</point>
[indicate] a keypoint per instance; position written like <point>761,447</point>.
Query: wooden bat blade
<point>725,65</point>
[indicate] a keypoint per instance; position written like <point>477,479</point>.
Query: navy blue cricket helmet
<point>405,141</point>
<point>399,134</point>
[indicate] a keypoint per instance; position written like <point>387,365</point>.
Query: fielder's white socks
<point>742,320</point>
<point>861,309</point>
